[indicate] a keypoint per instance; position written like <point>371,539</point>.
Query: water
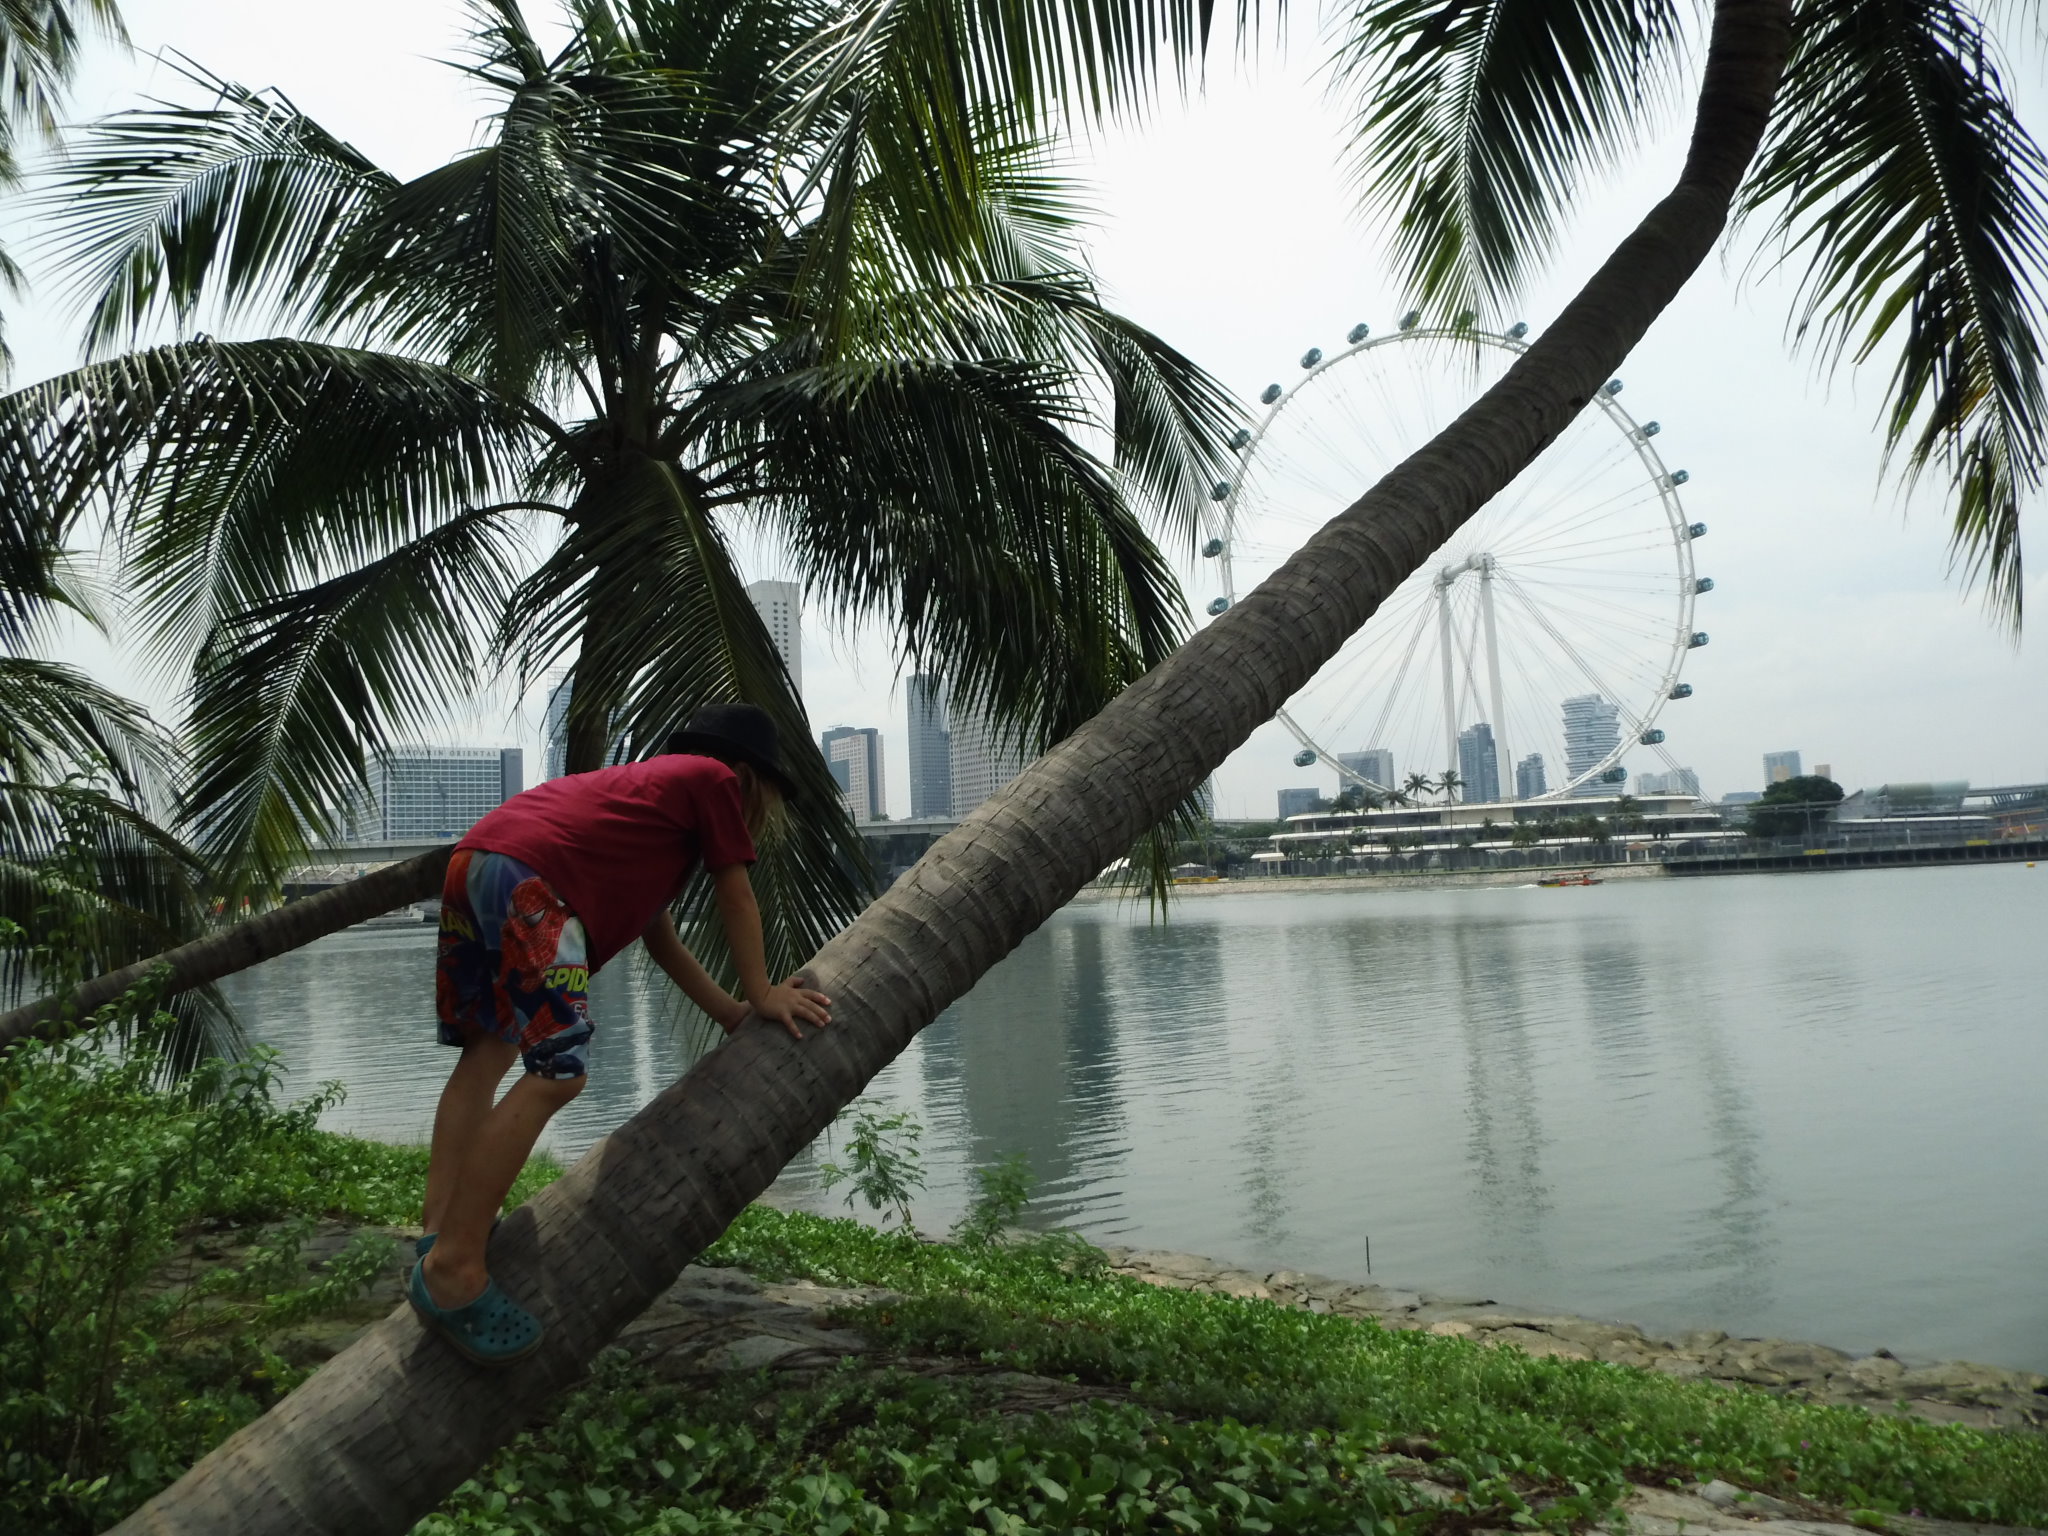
<point>1803,1106</point>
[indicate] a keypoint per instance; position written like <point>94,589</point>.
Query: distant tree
<point>1628,813</point>
<point>1794,807</point>
<point>1489,829</point>
<point>1450,784</point>
<point>1525,834</point>
<point>1416,785</point>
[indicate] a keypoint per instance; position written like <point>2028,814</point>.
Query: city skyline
<point>854,755</point>
<point>1835,619</point>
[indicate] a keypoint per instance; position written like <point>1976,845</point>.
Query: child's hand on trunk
<point>792,1004</point>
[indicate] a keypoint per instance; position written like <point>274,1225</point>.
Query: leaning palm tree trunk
<point>385,1430</point>
<point>237,948</point>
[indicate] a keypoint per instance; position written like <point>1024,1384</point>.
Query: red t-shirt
<point>617,843</point>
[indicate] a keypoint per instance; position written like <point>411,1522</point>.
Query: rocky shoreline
<point>1952,1392</point>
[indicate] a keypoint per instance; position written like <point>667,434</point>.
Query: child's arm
<point>786,1004</point>
<point>668,951</point>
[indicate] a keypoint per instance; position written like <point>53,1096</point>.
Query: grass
<point>1227,1415</point>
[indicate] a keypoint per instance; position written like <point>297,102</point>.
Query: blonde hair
<point>760,801</point>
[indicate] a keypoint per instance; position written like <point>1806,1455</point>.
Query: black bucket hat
<point>735,733</point>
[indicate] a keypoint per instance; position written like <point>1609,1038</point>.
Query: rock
<point>1431,1299</point>
<point>1876,1374</point>
<point>1963,1380</point>
<point>1802,1362</point>
<point>1741,1501</point>
<point>750,1352</point>
<point>1185,1265</point>
<point>1541,1345</point>
<point>1452,1329</point>
<point>1235,1282</point>
<point>1594,1335</point>
<point>1679,1366</point>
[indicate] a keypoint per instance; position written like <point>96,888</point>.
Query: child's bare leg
<point>472,1088</point>
<point>455,1270</point>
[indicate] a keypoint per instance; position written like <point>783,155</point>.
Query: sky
<point>1226,225</point>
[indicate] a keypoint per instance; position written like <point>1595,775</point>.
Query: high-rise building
<point>1682,781</point>
<point>931,762</point>
<point>854,754</point>
<point>429,793</point>
<point>1478,763</point>
<point>1530,783</point>
<point>1298,802</point>
<point>1375,764</point>
<point>1592,729</point>
<point>1780,766</point>
<point>979,758</point>
<point>781,606</point>
<point>555,733</point>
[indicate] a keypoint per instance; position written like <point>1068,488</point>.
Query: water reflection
<point>1803,1107</point>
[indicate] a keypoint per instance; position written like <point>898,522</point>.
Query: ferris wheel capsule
<point>1699,638</point>
<point>1651,737</point>
<point>1212,549</point>
<point>1704,584</point>
<point>1218,605</point>
<point>1240,437</point>
<point>1696,531</point>
<point>1305,758</point>
<point>1271,393</point>
<point>1611,388</point>
<point>1311,357</point>
<point>1680,691</point>
<point>1357,333</point>
<point>1518,330</point>
<point>1679,476</point>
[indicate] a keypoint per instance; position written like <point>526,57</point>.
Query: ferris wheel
<point>1539,645</point>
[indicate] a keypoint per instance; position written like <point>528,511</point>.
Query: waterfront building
<point>1780,766</point>
<point>1682,781</point>
<point>1478,763</point>
<point>1447,827</point>
<point>1742,797</point>
<point>854,754</point>
<point>1592,729</point>
<point>781,606</point>
<point>981,759</point>
<point>1375,764</point>
<point>1530,782</point>
<point>1298,802</point>
<point>931,763</point>
<point>427,794</point>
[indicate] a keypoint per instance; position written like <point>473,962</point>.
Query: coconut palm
<point>674,304</point>
<point>1449,784</point>
<point>598,1245</point>
<point>39,43</point>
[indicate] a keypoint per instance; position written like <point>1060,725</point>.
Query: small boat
<point>1581,878</point>
<point>399,917</point>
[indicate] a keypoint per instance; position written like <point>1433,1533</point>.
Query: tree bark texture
<point>384,1431</point>
<point>237,948</point>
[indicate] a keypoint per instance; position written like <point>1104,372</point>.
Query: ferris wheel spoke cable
<point>1599,683</point>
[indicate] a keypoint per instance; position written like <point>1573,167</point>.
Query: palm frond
<point>292,694</point>
<point>55,719</point>
<point>90,883</point>
<point>39,41</point>
<point>241,202</point>
<point>1897,168</point>
<point>677,631</point>
<point>236,472</point>
<point>1477,121</point>
<point>950,499</point>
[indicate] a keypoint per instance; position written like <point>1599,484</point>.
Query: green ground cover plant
<point>121,1360</point>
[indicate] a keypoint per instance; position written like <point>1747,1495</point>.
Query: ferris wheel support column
<point>1443,623</point>
<point>1503,759</point>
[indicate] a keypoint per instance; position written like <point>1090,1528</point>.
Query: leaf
<point>1897,167</point>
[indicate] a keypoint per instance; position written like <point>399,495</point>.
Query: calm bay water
<point>1806,1106</point>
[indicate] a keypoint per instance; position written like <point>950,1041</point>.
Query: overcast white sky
<point>1226,228</point>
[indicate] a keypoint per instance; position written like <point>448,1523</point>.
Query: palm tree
<point>1540,91</point>
<point>1416,785</point>
<point>39,42</point>
<point>1450,784</point>
<point>674,301</point>
<point>598,1245</point>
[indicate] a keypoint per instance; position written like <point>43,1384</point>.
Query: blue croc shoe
<point>492,1330</point>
